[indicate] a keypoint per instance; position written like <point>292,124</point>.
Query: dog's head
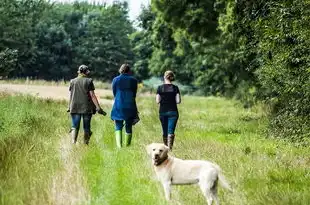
<point>158,152</point>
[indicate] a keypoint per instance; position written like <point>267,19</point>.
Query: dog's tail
<point>223,182</point>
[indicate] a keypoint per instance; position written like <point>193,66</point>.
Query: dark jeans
<point>76,120</point>
<point>119,124</point>
<point>168,122</point>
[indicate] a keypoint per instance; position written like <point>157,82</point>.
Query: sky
<point>134,5</point>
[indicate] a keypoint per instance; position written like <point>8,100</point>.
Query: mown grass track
<point>261,170</point>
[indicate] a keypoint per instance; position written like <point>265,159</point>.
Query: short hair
<point>169,75</point>
<point>125,68</point>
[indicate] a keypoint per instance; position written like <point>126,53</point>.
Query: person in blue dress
<point>124,110</point>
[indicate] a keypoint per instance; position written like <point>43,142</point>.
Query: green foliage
<point>54,39</point>
<point>284,46</point>
<point>29,130</point>
<point>250,50</point>
<point>8,59</point>
<point>197,17</point>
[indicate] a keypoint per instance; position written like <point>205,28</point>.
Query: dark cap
<point>83,69</point>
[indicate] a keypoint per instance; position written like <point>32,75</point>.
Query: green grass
<point>29,131</point>
<point>261,170</point>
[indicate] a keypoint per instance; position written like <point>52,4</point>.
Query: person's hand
<point>101,112</point>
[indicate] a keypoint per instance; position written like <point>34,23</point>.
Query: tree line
<point>49,40</point>
<point>254,50</point>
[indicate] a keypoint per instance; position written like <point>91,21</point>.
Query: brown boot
<point>170,141</point>
<point>87,137</point>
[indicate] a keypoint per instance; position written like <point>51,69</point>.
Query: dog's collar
<point>161,161</point>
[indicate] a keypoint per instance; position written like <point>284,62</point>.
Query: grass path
<point>261,170</point>
<point>68,185</point>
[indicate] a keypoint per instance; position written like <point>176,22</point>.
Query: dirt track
<point>68,185</point>
<point>53,92</point>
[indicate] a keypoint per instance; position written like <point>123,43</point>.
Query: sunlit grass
<point>29,131</point>
<point>261,170</point>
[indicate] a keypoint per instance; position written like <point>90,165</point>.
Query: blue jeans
<point>76,120</point>
<point>168,122</point>
<point>119,124</point>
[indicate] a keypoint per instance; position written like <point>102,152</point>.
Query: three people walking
<point>83,103</point>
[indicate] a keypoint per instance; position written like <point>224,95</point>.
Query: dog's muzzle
<point>158,161</point>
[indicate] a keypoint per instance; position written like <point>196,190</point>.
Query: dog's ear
<point>149,149</point>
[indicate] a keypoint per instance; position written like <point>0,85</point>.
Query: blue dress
<point>124,89</point>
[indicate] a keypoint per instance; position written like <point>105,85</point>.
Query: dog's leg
<point>167,189</point>
<point>206,190</point>
<point>214,194</point>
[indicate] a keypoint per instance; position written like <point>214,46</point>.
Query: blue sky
<point>134,5</point>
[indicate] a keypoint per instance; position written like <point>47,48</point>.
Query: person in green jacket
<point>83,103</point>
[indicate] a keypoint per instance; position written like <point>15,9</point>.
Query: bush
<point>285,74</point>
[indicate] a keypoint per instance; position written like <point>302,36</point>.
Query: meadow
<point>38,165</point>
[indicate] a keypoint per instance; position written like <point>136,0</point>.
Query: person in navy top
<point>124,110</point>
<point>168,96</point>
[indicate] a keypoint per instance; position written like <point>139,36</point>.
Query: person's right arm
<point>94,98</point>
<point>177,96</point>
<point>114,87</point>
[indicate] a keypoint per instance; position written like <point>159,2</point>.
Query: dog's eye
<point>154,149</point>
<point>160,150</point>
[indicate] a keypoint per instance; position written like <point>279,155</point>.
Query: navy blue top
<point>124,89</point>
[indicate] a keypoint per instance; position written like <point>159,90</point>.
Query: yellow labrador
<point>173,171</point>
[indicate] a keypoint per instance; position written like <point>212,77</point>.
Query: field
<point>38,165</point>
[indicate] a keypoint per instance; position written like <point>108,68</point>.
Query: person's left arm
<point>158,98</point>
<point>70,96</point>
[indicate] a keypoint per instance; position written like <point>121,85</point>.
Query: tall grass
<point>261,170</point>
<point>29,131</point>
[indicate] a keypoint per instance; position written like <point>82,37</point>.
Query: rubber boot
<point>128,138</point>
<point>165,140</point>
<point>87,137</point>
<point>170,141</point>
<point>118,137</point>
<point>74,135</point>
